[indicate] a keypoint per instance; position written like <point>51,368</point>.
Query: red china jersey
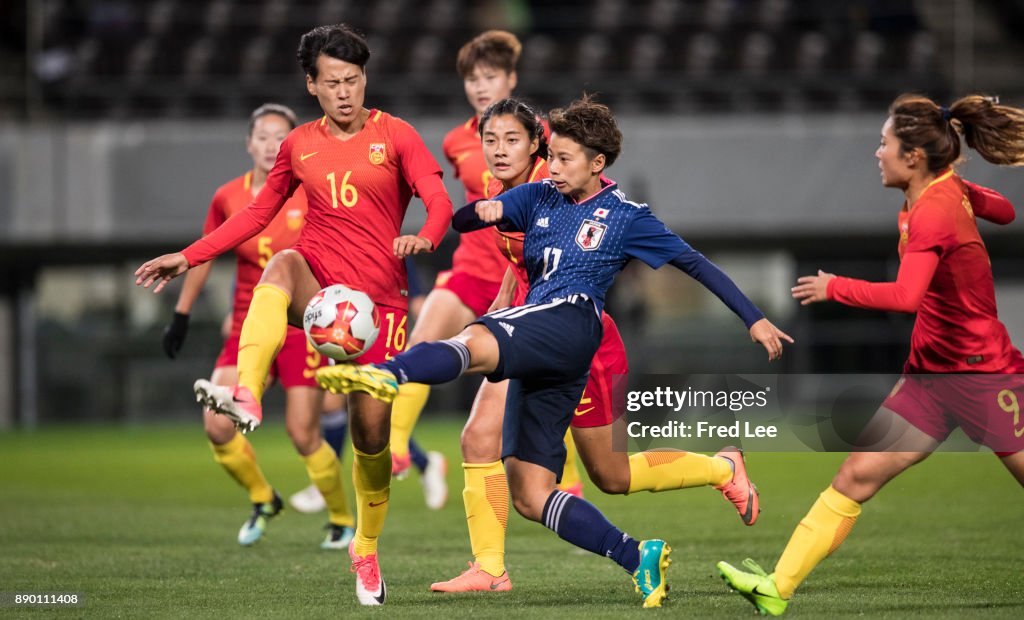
<point>510,244</point>
<point>957,328</point>
<point>476,253</point>
<point>358,191</point>
<point>253,255</point>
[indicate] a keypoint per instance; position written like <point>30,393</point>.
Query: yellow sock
<point>239,459</point>
<point>665,471</point>
<point>486,499</point>
<point>819,534</point>
<point>570,473</point>
<point>324,470</point>
<point>405,411</point>
<point>263,333</point>
<point>371,477</point>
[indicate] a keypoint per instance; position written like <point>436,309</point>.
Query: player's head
<point>487,66</point>
<point>585,139</point>
<point>269,125</point>
<point>920,136</point>
<point>513,139</point>
<point>334,59</point>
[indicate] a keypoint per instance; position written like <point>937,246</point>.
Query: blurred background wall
<point>750,127</point>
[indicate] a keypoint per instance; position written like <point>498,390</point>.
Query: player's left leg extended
<point>829,520</point>
<point>473,351</point>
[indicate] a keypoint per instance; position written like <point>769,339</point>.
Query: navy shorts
<point>546,351</point>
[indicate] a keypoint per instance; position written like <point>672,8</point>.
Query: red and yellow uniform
<point>358,191</point>
<point>946,277</point>
<point>477,266</point>
<point>599,403</point>
<point>297,361</point>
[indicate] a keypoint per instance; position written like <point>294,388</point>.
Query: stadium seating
<point>190,58</point>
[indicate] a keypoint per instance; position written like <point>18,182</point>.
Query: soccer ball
<point>341,323</point>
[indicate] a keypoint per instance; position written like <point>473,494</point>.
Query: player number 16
<point>349,195</point>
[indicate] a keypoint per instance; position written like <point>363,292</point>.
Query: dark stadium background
<point>750,126</point>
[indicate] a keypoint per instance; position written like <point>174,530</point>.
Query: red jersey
<point>253,255</point>
<point>957,328</point>
<point>476,254</point>
<point>510,244</point>
<point>358,191</point>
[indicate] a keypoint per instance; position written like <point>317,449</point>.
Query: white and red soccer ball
<point>341,323</point>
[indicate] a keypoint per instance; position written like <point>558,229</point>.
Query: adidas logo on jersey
<point>508,328</point>
<point>542,222</point>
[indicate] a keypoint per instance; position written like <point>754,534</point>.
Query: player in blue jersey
<point>580,232</point>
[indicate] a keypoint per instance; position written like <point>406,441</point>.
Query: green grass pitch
<point>143,522</point>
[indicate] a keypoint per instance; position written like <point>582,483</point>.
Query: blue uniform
<point>580,247</point>
<point>573,251</point>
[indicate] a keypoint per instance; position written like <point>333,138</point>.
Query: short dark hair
<point>337,41</point>
<point>272,108</point>
<point>495,48</point>
<point>523,113</point>
<point>591,125</point>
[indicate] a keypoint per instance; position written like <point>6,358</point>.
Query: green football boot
<point>347,378</point>
<point>757,586</point>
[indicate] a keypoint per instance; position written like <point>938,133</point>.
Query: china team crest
<point>590,234</point>
<point>377,153</point>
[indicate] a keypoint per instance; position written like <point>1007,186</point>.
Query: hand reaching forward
<point>161,270</point>
<point>770,337</point>
<point>812,289</point>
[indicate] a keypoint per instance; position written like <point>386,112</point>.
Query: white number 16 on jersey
<point>551,257</point>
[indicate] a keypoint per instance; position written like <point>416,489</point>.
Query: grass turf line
<point>143,522</point>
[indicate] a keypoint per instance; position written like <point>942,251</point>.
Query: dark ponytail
<point>995,131</point>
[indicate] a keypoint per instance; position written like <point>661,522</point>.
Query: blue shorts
<point>546,351</point>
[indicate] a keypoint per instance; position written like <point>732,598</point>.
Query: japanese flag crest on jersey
<point>590,234</point>
<point>377,153</point>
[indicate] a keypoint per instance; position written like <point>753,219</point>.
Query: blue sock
<point>430,362</point>
<point>582,524</point>
<point>418,456</point>
<point>334,425</point>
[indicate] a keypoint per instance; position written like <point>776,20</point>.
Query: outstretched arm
<point>697,266</point>
<point>903,295</point>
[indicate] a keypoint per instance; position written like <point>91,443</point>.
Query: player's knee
<point>479,446</point>
<point>528,505</point>
<point>219,429</point>
<point>613,483</point>
<point>370,441</point>
<point>306,440</point>
<point>280,267</point>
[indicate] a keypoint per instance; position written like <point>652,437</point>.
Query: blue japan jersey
<point>580,247</point>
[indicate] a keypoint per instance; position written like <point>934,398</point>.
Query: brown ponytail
<point>995,131</point>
